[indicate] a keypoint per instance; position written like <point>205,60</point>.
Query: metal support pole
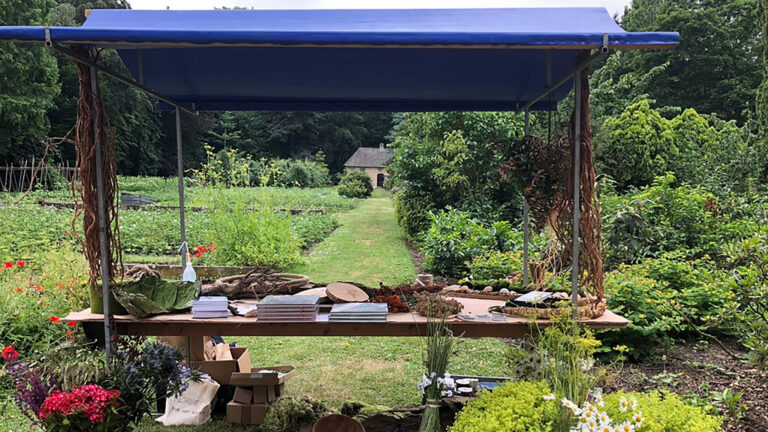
<point>102,214</point>
<point>526,224</point>
<point>576,190</point>
<point>180,167</point>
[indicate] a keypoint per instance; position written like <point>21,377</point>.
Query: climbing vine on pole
<point>91,123</point>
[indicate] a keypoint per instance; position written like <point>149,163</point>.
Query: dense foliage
<point>452,159</point>
<point>513,407</point>
<point>355,184</point>
<point>455,237</point>
<point>663,412</point>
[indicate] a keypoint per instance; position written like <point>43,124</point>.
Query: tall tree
<point>716,68</point>
<point>762,92</point>
<point>28,82</point>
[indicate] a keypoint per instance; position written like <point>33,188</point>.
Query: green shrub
<point>750,286</point>
<point>454,238</point>
<point>666,217</point>
<point>495,265</point>
<point>252,238</point>
<point>412,212</point>
<point>663,412</point>
<point>355,184</point>
<point>664,298</point>
<point>511,407</point>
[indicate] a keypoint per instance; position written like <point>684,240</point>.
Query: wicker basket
<point>588,309</point>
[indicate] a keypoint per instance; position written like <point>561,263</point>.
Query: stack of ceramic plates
<point>359,312</point>
<point>287,308</point>
<point>210,307</point>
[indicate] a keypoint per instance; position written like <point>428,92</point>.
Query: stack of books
<point>210,307</point>
<point>287,308</point>
<point>359,312</point>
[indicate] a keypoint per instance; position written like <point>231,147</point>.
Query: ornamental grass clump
<point>439,343</point>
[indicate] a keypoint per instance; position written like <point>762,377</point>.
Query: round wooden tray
<point>341,292</point>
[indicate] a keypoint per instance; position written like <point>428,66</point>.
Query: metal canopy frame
<point>184,249</point>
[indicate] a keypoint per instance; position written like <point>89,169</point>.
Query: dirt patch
<point>416,256</point>
<point>696,371</point>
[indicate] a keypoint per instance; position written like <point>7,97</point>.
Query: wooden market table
<point>400,324</point>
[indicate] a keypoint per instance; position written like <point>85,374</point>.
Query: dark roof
<point>370,157</point>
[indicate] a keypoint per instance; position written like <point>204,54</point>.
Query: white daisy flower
<point>623,404</point>
<point>604,418</point>
<point>638,419</point>
<point>633,403</point>
<point>549,396</point>
<point>605,428</point>
<point>627,427</point>
<point>567,403</point>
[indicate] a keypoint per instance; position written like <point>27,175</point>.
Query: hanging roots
<point>590,225</point>
<point>90,112</point>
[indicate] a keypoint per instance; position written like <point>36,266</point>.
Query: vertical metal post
<point>526,224</point>
<point>180,167</point>
<point>102,214</point>
<point>576,190</point>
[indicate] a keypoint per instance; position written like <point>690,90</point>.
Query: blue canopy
<point>357,60</point>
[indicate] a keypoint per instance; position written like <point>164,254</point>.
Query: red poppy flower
<point>55,319</point>
<point>10,352</point>
<point>15,314</point>
<point>19,289</point>
<point>69,335</point>
<point>198,255</point>
<point>20,263</point>
<point>72,323</point>
<point>39,287</point>
<point>8,264</point>
<point>212,245</point>
<point>190,255</point>
<point>200,248</point>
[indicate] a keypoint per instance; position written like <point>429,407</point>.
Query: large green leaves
<point>152,295</point>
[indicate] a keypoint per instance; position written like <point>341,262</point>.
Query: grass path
<point>367,248</point>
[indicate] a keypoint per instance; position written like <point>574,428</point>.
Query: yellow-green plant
<point>662,412</point>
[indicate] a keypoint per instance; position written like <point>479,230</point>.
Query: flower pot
<point>97,304</point>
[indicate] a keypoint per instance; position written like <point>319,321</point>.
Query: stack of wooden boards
<point>255,391</point>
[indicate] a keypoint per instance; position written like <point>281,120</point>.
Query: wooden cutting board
<point>320,292</point>
<point>341,292</point>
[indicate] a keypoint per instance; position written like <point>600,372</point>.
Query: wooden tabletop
<point>400,324</point>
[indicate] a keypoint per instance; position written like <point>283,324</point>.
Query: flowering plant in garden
<point>85,408</point>
<point>439,342</point>
<point>591,417</point>
<point>30,387</point>
<point>200,251</point>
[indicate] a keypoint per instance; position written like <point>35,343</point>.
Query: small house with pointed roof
<point>372,161</point>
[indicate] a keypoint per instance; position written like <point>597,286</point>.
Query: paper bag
<point>193,407</point>
<point>223,352</point>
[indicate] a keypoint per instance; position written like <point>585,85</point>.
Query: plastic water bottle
<point>189,274</point>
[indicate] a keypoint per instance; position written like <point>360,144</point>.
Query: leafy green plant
<point>663,412</point>
<point>251,238</point>
<point>495,264</point>
<point>511,407</point>
<point>454,238</point>
<point>664,298</point>
<point>731,401</point>
<point>750,286</point>
<point>355,184</point>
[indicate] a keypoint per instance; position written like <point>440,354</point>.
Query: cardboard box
<point>243,395</point>
<point>258,412</point>
<point>254,378</point>
<point>221,370</point>
<point>267,394</point>
<point>247,414</point>
<point>239,413</point>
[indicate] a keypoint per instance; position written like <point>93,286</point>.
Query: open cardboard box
<point>222,370</point>
<point>255,378</point>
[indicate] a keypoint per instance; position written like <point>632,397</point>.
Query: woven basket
<point>588,309</point>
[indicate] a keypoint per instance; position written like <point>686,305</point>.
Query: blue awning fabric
<point>350,60</point>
